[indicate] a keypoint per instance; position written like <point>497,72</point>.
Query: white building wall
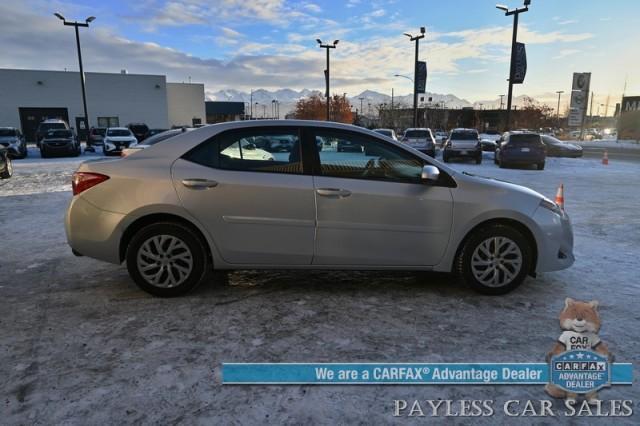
<point>185,102</point>
<point>130,97</point>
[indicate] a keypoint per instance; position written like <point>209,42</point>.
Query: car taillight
<point>82,181</point>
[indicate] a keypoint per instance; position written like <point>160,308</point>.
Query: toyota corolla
<point>202,200</point>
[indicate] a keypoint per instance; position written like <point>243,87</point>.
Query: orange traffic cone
<point>605,158</point>
<point>560,196</point>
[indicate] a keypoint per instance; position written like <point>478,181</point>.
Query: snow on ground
<point>80,343</point>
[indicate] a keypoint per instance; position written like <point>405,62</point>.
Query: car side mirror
<point>430,174</point>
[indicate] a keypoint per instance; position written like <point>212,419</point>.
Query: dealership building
<point>29,96</point>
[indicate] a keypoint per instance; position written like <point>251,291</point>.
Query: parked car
<point>116,139</point>
<point>60,142</point>
<point>557,148</point>
<point>441,137</point>
<point>274,143</point>
<point>420,139</point>
<point>139,130</point>
<point>174,211</point>
<point>46,125</point>
<point>96,135</point>
<point>463,143</point>
<point>488,145</point>
<point>152,140</point>
<point>6,166</point>
<point>492,135</point>
<point>520,148</point>
<point>347,145</point>
<point>13,140</point>
<point>390,133</point>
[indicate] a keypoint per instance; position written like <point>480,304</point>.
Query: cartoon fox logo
<point>580,322</point>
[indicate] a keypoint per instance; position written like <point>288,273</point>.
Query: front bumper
<point>93,232</point>
<point>554,239</point>
<point>57,148</point>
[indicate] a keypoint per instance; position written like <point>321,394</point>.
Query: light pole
<point>361,110</point>
<point>251,105</point>
<point>415,73</point>
<point>559,92</point>
<point>326,72</point>
<point>512,67</point>
<point>76,25</point>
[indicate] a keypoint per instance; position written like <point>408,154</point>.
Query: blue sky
<point>240,44</point>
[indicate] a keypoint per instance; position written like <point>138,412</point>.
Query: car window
<point>550,140</point>
<point>351,155</point>
<point>48,126</point>
<point>269,151</point>
<point>7,132</point>
<point>59,134</point>
<point>464,136</point>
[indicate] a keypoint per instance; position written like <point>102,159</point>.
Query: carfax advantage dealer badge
<point>580,371</point>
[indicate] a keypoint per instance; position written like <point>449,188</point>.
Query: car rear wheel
<point>494,260</point>
<point>166,259</point>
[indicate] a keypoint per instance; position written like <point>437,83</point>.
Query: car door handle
<point>333,192</point>
<point>199,183</point>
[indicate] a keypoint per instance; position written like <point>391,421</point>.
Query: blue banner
<point>401,373</point>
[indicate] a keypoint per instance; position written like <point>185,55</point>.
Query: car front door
<point>258,206</point>
<point>372,207</point>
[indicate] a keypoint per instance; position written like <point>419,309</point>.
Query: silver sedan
<point>204,200</point>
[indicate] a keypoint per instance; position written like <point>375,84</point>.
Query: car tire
<point>7,172</point>
<point>150,257</point>
<point>540,166</point>
<point>510,260</point>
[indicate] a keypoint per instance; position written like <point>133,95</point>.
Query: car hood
<point>502,185</point>
<point>8,139</point>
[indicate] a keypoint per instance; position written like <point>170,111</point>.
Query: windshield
<point>416,134</point>
<point>59,134</point>
<point>550,140</point>
<point>48,126</point>
<point>118,132</point>
<point>524,140</point>
<point>464,136</point>
<point>7,132</point>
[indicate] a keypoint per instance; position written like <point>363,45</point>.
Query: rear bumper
<point>93,232</point>
<point>463,152</point>
<point>555,241</point>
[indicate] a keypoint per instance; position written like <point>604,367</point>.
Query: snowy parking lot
<point>80,343</point>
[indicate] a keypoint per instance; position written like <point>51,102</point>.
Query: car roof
<point>117,128</point>
<point>463,129</point>
<point>417,128</point>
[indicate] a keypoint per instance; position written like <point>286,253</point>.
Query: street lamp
<point>559,92</point>
<point>326,72</point>
<point>512,67</point>
<point>415,74</point>
<point>76,24</point>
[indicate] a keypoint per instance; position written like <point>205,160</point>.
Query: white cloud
<point>312,7</point>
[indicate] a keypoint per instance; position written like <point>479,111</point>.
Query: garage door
<point>31,117</point>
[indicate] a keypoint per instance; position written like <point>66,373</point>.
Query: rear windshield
<point>118,132</point>
<point>7,132</point>
<point>524,140</point>
<point>162,136</point>
<point>416,133</point>
<point>59,134</point>
<point>464,136</point>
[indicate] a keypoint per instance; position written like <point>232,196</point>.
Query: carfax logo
<point>579,363</point>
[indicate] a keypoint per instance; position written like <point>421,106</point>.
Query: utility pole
<point>559,92</point>
<point>76,25</point>
<point>415,73</point>
<point>251,107</point>
<point>501,101</point>
<point>361,110</point>
<point>326,72</point>
<point>512,68</point>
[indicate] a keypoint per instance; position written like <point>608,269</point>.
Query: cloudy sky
<point>244,44</point>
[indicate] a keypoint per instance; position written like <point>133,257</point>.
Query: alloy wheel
<point>496,261</point>
<point>164,261</point>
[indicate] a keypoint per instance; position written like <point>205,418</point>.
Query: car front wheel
<point>166,259</point>
<point>8,168</point>
<point>494,260</point>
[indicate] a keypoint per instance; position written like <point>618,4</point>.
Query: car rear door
<point>258,207</point>
<point>373,209</point>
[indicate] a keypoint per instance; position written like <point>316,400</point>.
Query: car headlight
<point>550,205</point>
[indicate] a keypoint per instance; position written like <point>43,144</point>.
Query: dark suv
<point>60,142</point>
<point>520,148</point>
<point>139,130</point>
